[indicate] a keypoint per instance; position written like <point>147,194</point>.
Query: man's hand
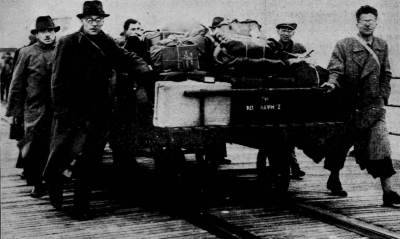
<point>19,120</point>
<point>329,86</point>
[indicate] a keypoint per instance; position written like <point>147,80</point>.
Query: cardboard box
<point>180,58</point>
<point>173,109</point>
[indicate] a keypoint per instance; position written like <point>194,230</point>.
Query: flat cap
<point>292,26</point>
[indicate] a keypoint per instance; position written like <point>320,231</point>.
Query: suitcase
<point>173,109</point>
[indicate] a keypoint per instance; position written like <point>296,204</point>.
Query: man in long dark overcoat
<point>82,102</point>
<point>30,101</point>
<point>360,68</point>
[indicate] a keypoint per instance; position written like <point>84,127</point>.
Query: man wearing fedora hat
<point>83,64</point>
<point>30,101</point>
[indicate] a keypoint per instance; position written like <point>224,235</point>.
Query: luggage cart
<point>267,119</point>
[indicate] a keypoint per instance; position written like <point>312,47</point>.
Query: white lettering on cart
<point>249,107</point>
<point>270,107</point>
<point>265,98</point>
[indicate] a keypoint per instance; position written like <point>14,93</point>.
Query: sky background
<point>320,23</point>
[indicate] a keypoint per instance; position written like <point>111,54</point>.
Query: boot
<point>56,196</point>
<point>38,191</point>
<point>297,172</point>
<point>335,186</point>
<point>391,198</point>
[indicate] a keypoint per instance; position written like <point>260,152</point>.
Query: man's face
<point>285,34</point>
<point>92,24</point>
<point>134,30</point>
<point>46,36</point>
<point>366,24</point>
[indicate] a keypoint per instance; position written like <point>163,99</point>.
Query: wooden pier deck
<point>25,217</point>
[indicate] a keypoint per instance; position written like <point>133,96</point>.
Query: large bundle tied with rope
<point>243,39</point>
<point>190,49</point>
<point>242,49</point>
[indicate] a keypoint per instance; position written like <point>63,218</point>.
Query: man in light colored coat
<point>360,68</point>
<point>30,101</point>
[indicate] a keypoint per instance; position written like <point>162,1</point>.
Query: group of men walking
<point>61,93</point>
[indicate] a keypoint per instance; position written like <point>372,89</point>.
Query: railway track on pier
<point>339,226</point>
<point>247,213</point>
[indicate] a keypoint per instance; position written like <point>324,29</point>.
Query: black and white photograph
<point>200,119</point>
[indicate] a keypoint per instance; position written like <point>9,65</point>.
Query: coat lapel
<point>359,54</point>
<point>364,59</point>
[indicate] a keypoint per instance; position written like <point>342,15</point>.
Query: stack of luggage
<point>235,52</point>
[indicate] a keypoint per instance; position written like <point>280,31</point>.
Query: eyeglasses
<point>97,20</point>
<point>367,21</point>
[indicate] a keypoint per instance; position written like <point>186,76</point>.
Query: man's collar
<point>42,45</point>
<point>370,41</point>
<point>286,45</point>
<point>91,36</point>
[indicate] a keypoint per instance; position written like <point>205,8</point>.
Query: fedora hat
<point>216,21</point>
<point>44,23</point>
<point>92,8</point>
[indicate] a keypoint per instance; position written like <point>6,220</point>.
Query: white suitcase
<point>173,109</point>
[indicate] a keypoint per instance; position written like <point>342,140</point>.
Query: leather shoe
<point>37,192</point>
<point>391,198</point>
<point>336,188</point>
<point>56,198</point>
<point>297,173</point>
<point>223,161</point>
<point>338,192</point>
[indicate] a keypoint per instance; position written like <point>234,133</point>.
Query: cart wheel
<point>276,177</point>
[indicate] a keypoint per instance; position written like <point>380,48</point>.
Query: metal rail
<point>347,223</point>
<point>391,105</point>
<point>224,229</point>
<point>219,227</point>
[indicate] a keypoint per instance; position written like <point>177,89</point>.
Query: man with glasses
<point>30,102</point>
<point>83,64</point>
<point>360,69</point>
